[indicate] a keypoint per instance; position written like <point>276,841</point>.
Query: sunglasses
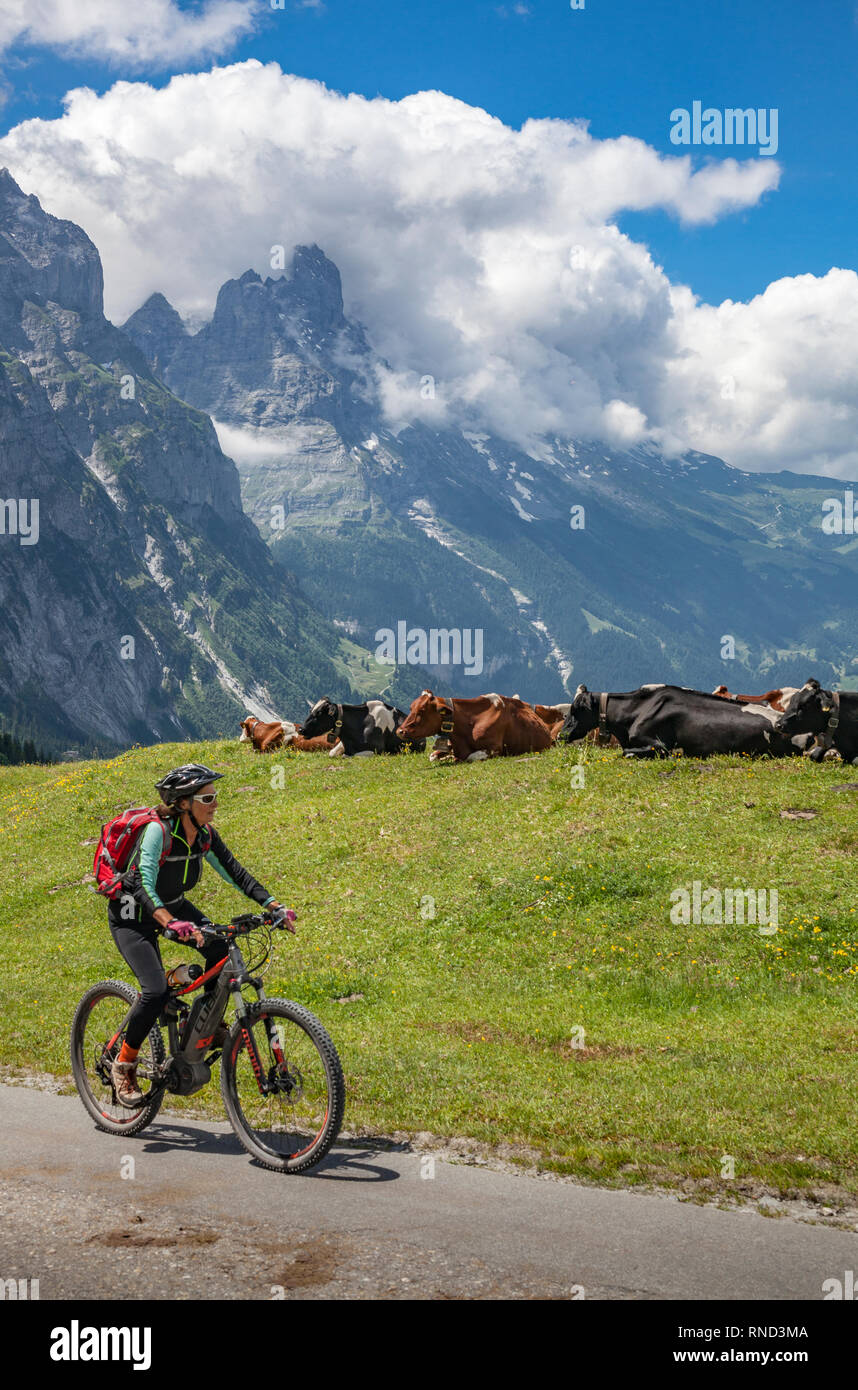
<point>207,799</point>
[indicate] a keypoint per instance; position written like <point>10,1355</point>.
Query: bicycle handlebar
<point>239,926</point>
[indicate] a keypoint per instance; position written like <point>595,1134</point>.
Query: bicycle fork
<point>263,1082</point>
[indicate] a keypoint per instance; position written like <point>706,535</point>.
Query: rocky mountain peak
<point>156,329</point>
<point>310,292</point>
<point>8,186</point>
<point>44,258</point>
<point>273,350</point>
<point>314,287</point>
<point>158,307</point>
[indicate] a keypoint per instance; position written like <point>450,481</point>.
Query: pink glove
<point>184,931</point>
<point>287,915</point>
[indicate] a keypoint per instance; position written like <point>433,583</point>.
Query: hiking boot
<point>124,1078</point>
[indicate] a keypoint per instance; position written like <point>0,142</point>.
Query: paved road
<point>199,1220</point>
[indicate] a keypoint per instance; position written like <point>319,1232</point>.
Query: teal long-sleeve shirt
<point>157,885</point>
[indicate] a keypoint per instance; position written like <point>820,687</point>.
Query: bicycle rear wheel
<point>292,1127</point>
<point>96,1037</point>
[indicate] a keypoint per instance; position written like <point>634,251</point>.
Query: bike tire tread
<point>297,1013</point>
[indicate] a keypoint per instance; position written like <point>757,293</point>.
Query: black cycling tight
<point>137,942</point>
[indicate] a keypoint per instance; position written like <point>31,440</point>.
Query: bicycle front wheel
<point>290,1124</point>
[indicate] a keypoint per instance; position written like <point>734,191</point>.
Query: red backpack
<point>119,839</point>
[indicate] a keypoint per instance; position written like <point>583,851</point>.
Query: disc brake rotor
<point>288,1081</point>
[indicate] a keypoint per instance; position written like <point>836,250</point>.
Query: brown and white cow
<point>282,732</point>
<point>553,716</point>
<point>489,726</point>
<point>297,743</point>
<point>264,737</point>
<point>776,699</point>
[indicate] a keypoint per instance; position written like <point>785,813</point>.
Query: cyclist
<point>159,901</point>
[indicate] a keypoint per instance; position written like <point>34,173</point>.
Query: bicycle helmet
<point>185,781</point>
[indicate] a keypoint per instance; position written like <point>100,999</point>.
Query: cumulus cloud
<point>482,256</point>
<point>154,33</point>
<point>772,383</point>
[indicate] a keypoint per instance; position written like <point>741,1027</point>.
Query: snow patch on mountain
<point>422,514</point>
<point>253,700</point>
<point>525,516</point>
<point>564,665</point>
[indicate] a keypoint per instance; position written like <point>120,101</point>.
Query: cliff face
<point>141,533</point>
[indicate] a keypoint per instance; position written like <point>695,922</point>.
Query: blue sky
<point>623,65</point>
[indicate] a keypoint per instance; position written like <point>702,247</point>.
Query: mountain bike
<point>281,1079</point>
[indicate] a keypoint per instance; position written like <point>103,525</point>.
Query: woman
<point>155,899</point>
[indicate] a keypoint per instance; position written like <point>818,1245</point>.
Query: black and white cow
<point>362,729</point>
<point>651,721</point>
<point>830,715</point>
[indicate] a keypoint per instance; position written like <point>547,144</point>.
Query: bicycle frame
<point>186,1057</point>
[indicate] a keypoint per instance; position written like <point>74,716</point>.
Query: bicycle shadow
<point>345,1163</point>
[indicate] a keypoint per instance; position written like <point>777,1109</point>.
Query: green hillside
<point>551,908</point>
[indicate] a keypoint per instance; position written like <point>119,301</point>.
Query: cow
<point>489,726</point>
<point>266,738</point>
<point>296,743</point>
<point>361,729</point>
<point>651,721</point>
<point>830,715</point>
<point>553,716</point>
<point>776,699</point>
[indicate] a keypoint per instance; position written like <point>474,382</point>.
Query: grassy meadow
<point>491,946</point>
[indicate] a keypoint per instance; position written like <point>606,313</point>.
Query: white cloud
<point>483,256</point>
<point>249,446</point>
<point>772,383</point>
<point>622,424</point>
<point>149,33</point>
